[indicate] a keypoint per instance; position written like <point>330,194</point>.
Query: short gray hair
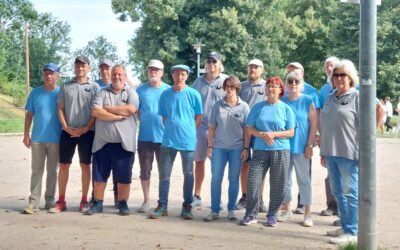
<point>333,59</point>
<point>348,67</point>
<point>119,66</point>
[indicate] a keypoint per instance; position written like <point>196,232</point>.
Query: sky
<point>88,20</point>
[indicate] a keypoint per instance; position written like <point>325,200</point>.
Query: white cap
<point>256,62</point>
<point>156,64</point>
<point>296,65</point>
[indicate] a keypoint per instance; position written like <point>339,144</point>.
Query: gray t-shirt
<point>122,131</point>
<point>252,93</point>
<point>210,94</point>
<point>77,99</point>
<point>339,125</point>
<point>230,123</point>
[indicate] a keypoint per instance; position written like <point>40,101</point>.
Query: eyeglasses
<point>272,86</point>
<point>341,75</point>
<point>211,61</point>
<point>297,82</point>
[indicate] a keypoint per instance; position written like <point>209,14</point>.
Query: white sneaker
<point>335,233</point>
<point>231,215</point>
<point>299,210</point>
<point>196,203</point>
<point>308,222</point>
<point>284,215</point>
<point>144,207</point>
<point>343,239</point>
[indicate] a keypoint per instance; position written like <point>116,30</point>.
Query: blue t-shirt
<point>311,91</point>
<point>324,92</point>
<point>43,105</point>
<point>268,117</point>
<point>151,126</point>
<point>179,110</point>
<point>301,108</point>
<point>101,83</point>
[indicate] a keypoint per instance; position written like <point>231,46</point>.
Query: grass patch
<point>353,246</point>
<point>11,117</point>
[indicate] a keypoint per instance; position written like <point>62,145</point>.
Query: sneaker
<point>299,210</point>
<point>31,209</point>
<point>327,212</point>
<point>241,203</point>
<point>343,239</point>
<point>59,207</point>
<point>248,220</point>
<point>84,206</point>
<point>159,212</point>
<point>262,208</point>
<point>123,208</point>
<point>97,207</point>
<point>196,204</point>
<point>186,212</point>
<point>271,222</point>
<point>337,223</point>
<point>49,205</point>
<point>308,222</point>
<point>335,233</point>
<point>284,215</point>
<point>231,215</point>
<point>144,207</point>
<point>212,216</point>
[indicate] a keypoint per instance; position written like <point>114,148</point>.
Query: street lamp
<point>197,46</point>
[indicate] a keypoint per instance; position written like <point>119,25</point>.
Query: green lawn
<point>11,117</point>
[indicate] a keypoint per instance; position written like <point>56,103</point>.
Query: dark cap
<point>83,59</point>
<point>214,55</point>
<point>52,67</point>
<point>107,62</point>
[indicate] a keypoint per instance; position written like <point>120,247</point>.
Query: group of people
<point>255,126</point>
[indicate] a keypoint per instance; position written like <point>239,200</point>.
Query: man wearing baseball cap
<point>105,66</point>
<point>210,88</point>
<point>74,112</point>
<point>41,107</point>
<point>151,129</point>
<point>181,111</point>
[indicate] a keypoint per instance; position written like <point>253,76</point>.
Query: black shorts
<point>68,145</point>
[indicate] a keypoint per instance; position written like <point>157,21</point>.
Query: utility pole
<point>197,46</point>
<point>27,57</point>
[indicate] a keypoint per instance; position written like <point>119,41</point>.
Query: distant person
<point>389,108</point>
<point>252,91</point>
<point>41,108</point>
<point>180,108</point>
<point>210,88</point>
<point>151,129</point>
<point>114,146</point>
<point>398,120</point>
<point>105,73</point>
<point>381,125</point>
<point>74,112</point>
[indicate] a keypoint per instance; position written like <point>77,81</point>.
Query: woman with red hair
<point>272,123</point>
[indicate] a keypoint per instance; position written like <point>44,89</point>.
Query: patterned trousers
<point>278,163</point>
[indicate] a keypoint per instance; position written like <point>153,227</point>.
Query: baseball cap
<point>180,66</point>
<point>52,67</point>
<point>107,62</point>
<point>155,64</point>
<point>214,55</point>
<point>256,62</point>
<point>296,65</point>
<point>83,59</point>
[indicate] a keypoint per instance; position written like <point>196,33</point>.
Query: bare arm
<point>27,126</point>
<point>211,133</point>
<point>312,117</point>
<point>269,137</point>
<point>380,113</point>
<point>103,114</point>
<point>198,120</point>
<point>64,125</point>
<point>123,110</point>
<point>246,143</point>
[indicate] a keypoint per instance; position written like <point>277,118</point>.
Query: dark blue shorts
<point>68,145</point>
<point>113,157</point>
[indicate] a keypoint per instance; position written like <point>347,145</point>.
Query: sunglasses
<point>211,61</point>
<point>297,82</point>
<point>341,75</point>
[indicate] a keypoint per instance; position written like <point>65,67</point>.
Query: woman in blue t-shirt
<point>301,146</point>
<point>272,123</point>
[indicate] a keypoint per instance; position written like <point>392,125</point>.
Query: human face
<point>341,81</point>
<point>105,73</point>
<point>273,90</point>
<point>293,86</point>
<point>179,76</point>
<point>81,69</point>
<point>230,88</point>
<point>213,66</point>
<point>254,72</point>
<point>154,74</point>
<point>118,78</point>
<point>329,68</point>
<point>50,77</point>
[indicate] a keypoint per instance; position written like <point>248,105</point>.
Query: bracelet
<point>246,148</point>
<point>210,146</point>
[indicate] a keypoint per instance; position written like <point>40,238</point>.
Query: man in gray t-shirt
<point>114,142</point>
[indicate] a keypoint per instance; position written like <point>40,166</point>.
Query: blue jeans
<point>167,159</point>
<point>218,162</point>
<point>343,178</point>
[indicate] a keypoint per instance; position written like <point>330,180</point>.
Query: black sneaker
<point>241,203</point>
<point>97,207</point>
<point>123,208</point>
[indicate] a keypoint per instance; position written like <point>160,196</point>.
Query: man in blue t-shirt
<point>41,107</point>
<point>151,128</point>
<point>181,111</point>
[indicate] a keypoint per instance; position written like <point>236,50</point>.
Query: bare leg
<point>146,190</point>
<point>85,179</point>
<point>63,175</point>
<point>123,191</point>
<point>199,176</point>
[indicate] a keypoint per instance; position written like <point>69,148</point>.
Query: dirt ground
<point>71,230</point>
